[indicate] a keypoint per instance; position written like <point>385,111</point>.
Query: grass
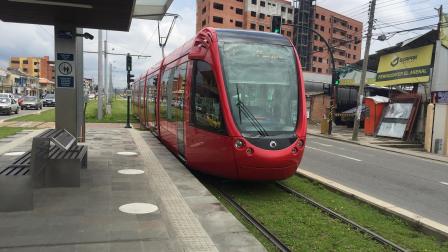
<point>305,228</point>
<point>45,116</point>
<point>9,131</point>
<point>300,226</point>
<point>391,227</point>
<point>118,114</point>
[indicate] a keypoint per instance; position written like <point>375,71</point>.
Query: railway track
<point>277,241</point>
<point>341,218</point>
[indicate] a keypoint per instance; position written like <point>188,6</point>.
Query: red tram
<point>230,103</point>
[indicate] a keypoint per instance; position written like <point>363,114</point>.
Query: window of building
<point>315,48</point>
<point>288,33</point>
<point>316,37</point>
<point>25,69</point>
<point>254,2</point>
<point>320,59</point>
<point>238,24</point>
<point>322,17</point>
<point>321,49</point>
<point>289,10</point>
<point>289,21</point>
<point>204,22</point>
<point>283,32</point>
<point>205,105</point>
<point>354,56</point>
<point>261,28</point>
<point>322,28</point>
<point>239,11</point>
<point>319,70</point>
<point>239,1</point>
<point>204,10</point>
<point>219,20</point>
<point>231,20</point>
<point>314,69</point>
<point>218,6</point>
<point>355,47</point>
<point>316,27</point>
<point>25,62</point>
<point>15,62</point>
<point>253,14</point>
<point>253,26</point>
<point>262,3</point>
<point>283,20</point>
<point>356,28</point>
<point>349,55</point>
<point>261,15</point>
<point>283,9</point>
<point>231,7</point>
<point>317,16</point>
<point>314,58</point>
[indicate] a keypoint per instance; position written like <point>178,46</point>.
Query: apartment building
<point>34,66</point>
<point>244,14</point>
<point>344,35</point>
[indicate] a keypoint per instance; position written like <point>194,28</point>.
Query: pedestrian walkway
<point>342,133</point>
<point>127,170</point>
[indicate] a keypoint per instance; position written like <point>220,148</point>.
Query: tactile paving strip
<point>187,229</point>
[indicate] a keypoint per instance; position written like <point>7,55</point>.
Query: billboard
<point>405,67</point>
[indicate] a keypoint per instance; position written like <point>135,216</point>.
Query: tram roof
<point>229,35</point>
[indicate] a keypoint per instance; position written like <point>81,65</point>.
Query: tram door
<point>178,104</point>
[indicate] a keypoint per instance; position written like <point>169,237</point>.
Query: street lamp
<point>334,74</point>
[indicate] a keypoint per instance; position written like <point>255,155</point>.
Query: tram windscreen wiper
<point>246,112</point>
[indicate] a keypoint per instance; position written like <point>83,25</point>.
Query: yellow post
<point>429,127</point>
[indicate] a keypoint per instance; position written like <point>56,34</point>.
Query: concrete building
<point>34,66</point>
<point>343,33</point>
<point>250,14</point>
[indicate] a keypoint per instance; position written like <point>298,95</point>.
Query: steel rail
<point>270,236</point>
<point>343,219</point>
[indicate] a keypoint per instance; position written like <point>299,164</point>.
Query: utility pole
<point>364,71</point>
<point>106,65</point>
<point>100,75</point>
<point>110,83</point>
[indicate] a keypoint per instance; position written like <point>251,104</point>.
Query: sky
<point>38,40</point>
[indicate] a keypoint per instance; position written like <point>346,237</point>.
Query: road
<point>415,184</point>
<point>4,117</point>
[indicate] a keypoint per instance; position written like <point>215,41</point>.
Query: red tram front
<point>231,103</point>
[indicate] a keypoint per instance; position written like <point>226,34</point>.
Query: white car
<point>6,95</point>
<point>9,105</point>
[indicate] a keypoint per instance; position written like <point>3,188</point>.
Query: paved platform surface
<point>88,218</point>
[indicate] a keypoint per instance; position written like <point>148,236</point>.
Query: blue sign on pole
<point>66,82</point>
<point>65,56</point>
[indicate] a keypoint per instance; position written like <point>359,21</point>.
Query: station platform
<point>156,205</point>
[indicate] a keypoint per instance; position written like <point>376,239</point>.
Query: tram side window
<point>178,90</point>
<point>206,108</point>
<point>166,85</point>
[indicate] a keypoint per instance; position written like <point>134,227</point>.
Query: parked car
<point>49,100</point>
<point>19,99</point>
<point>7,95</point>
<point>8,105</point>
<point>31,102</point>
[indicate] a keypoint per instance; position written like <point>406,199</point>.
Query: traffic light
<point>336,79</point>
<point>276,25</point>
<point>130,77</point>
<point>128,62</point>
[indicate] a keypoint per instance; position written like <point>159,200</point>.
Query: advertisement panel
<point>405,67</point>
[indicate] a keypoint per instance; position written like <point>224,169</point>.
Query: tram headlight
<point>239,144</point>
<point>250,151</point>
<point>294,150</point>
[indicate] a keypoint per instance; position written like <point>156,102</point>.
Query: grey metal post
<point>364,72</point>
<point>100,75</point>
<point>69,78</point>
<point>106,65</point>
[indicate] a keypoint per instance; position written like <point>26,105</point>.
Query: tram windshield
<point>261,82</point>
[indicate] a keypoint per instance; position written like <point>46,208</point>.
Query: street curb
<point>37,112</point>
<point>428,225</point>
<point>378,147</point>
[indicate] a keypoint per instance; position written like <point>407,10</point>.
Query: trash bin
<point>375,106</point>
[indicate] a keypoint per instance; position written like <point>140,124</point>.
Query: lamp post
<point>334,74</point>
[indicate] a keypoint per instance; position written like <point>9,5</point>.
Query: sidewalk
<point>342,133</point>
<point>93,217</point>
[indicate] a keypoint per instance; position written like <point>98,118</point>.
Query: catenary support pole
<point>100,75</point>
<point>364,71</point>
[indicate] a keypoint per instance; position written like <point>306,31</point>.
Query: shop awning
<point>151,9</point>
